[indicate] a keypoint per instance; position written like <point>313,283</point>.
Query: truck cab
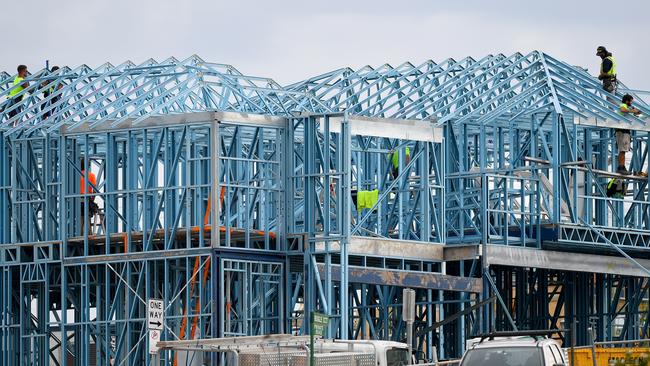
<point>387,353</point>
<point>514,351</point>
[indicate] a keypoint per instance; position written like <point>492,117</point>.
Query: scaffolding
<point>229,197</point>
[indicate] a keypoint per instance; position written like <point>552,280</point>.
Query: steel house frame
<point>229,197</point>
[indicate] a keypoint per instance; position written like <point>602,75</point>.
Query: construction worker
<point>395,161</point>
<point>19,85</point>
<point>623,137</point>
<point>607,69</point>
<point>616,188</point>
<point>49,91</point>
<point>626,106</point>
<point>93,209</point>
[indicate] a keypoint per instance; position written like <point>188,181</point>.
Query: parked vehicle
<point>289,350</point>
<point>514,349</point>
<point>386,353</point>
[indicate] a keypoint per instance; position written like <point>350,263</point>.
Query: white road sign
<point>154,337</point>
<point>155,311</point>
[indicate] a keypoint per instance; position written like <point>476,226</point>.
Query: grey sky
<point>291,40</point>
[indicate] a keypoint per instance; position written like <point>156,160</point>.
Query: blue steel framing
<point>228,196</point>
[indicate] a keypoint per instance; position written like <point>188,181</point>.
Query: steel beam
<point>433,281</point>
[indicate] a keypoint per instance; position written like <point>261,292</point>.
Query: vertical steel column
<point>487,310</point>
<point>49,226</point>
<point>111,173</point>
<point>555,167</point>
<point>310,142</point>
<point>14,193</point>
<point>131,170</point>
<point>589,182</point>
<point>326,224</point>
<point>345,156</point>
<point>402,195</point>
<point>5,181</point>
<point>442,182</point>
<point>425,192</point>
<point>215,168</point>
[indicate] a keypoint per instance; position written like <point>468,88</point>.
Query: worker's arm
<point>630,110</point>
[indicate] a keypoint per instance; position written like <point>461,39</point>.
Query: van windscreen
<point>503,356</point>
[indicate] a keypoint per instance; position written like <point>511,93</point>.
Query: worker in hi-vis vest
<point>616,188</point>
<point>607,69</point>
<point>49,88</point>
<point>88,193</point>
<point>623,136</point>
<point>18,86</point>
<point>394,157</point>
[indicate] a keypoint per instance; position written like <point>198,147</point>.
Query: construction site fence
<point>615,353</point>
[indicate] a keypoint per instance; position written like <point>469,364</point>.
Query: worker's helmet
<point>600,50</point>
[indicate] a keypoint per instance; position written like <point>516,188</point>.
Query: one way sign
<point>155,313</point>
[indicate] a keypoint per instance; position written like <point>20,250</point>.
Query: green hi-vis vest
<point>395,157</point>
<point>367,199</point>
<point>18,86</point>
<point>611,71</point>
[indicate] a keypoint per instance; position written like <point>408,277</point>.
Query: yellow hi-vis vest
<point>367,199</point>
<point>611,71</point>
<point>395,157</point>
<point>18,86</point>
<point>622,106</point>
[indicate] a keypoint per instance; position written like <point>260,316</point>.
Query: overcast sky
<point>291,40</point>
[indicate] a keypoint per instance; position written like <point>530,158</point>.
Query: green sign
<point>318,326</point>
<point>319,323</point>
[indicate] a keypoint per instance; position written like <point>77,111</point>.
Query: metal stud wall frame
<point>232,199</point>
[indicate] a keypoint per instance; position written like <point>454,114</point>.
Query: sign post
<point>155,321</point>
<point>318,326</point>
<point>408,315</point>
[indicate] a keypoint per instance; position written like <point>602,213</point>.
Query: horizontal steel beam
<point>406,249</point>
<point>575,262</point>
<point>380,247</point>
<point>461,252</point>
<point>404,129</point>
<point>611,123</point>
<point>391,277</point>
<point>265,256</point>
<point>149,122</point>
<point>140,256</point>
<point>252,119</point>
